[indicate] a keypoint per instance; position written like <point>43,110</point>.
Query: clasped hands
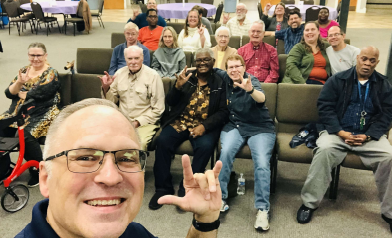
<point>203,195</point>
<point>351,139</point>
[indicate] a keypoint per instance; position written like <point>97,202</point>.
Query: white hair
<point>52,138</point>
<point>259,22</point>
<point>133,47</point>
<point>222,28</point>
<point>131,25</point>
<point>205,50</point>
<point>241,4</point>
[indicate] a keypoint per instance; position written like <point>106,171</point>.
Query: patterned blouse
<point>44,89</point>
<point>195,112</point>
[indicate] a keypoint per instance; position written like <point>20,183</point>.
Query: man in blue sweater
<point>293,34</point>
<point>141,19</point>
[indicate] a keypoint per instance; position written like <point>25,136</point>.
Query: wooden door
<point>114,4</point>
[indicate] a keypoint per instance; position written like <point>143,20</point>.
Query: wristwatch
<point>368,138</point>
<point>205,227</point>
<point>251,91</point>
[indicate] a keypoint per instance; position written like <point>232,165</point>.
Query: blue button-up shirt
<point>290,36</point>
<point>246,115</point>
<point>351,119</point>
<point>118,58</point>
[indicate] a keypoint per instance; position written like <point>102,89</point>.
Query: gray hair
<point>37,45</point>
<point>259,22</point>
<point>51,137</point>
<point>222,28</point>
<point>133,47</point>
<point>205,50</point>
<point>131,25</point>
<point>241,4</point>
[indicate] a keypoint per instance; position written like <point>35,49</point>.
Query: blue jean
<point>261,146</point>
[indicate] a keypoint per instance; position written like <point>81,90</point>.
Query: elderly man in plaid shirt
<point>261,59</point>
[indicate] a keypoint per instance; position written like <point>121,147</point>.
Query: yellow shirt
<point>219,59</point>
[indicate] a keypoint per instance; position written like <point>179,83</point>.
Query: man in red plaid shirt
<point>261,59</point>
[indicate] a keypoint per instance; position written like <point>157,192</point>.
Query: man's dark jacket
<point>336,95</point>
<point>218,113</point>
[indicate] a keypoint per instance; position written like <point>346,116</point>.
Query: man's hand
<point>106,81</point>
<point>23,77</point>
<point>203,194</point>
<point>226,18</point>
<point>197,131</point>
<point>267,8</point>
<point>22,95</point>
<point>246,84</point>
<point>182,79</point>
<point>135,14</point>
<point>136,124</point>
<point>201,29</point>
<point>357,140</point>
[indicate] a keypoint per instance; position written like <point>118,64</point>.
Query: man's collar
<point>137,73</point>
<point>256,47</point>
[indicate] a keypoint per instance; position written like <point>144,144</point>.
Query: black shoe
<point>181,192</point>
<point>154,205</point>
<point>33,182</point>
<point>388,220</point>
<point>304,214</point>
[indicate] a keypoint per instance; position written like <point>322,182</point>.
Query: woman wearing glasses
<point>198,113</point>
<point>278,21</point>
<point>222,51</point>
<point>168,59</point>
<point>38,81</point>
<point>194,35</point>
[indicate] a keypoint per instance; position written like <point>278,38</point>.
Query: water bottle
<point>241,185</point>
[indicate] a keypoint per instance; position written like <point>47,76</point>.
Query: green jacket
<point>299,64</point>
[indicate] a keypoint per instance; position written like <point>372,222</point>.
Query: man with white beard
<point>240,24</point>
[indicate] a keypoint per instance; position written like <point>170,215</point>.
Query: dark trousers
<point>32,150</point>
<point>167,143</point>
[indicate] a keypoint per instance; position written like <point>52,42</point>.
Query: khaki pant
<point>146,133</point>
<point>331,151</point>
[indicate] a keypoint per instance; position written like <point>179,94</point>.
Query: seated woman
<point>168,59</point>
<point>194,35</point>
<point>277,22</point>
<point>222,51</point>
<point>308,61</point>
<point>40,82</point>
<point>324,22</point>
<point>198,113</point>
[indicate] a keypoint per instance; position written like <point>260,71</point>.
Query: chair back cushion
<point>85,86</point>
<point>93,60</point>
<point>282,66</point>
<point>271,91</point>
<point>177,26</point>
<point>65,90</point>
<point>312,13</point>
<point>117,38</point>
<point>218,13</point>
<point>11,8</point>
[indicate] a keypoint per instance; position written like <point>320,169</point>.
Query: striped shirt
<point>236,29</point>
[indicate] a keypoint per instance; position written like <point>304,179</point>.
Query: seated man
<point>293,34</point>
<point>150,35</point>
<point>341,55</point>
<point>139,91</point>
<point>198,113</point>
<point>204,20</point>
<point>240,24</point>
<point>91,196</point>
<point>140,19</point>
<point>249,122</point>
<point>261,59</point>
<point>131,33</point>
<point>355,109</point>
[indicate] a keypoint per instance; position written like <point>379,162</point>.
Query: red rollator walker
<point>17,196</point>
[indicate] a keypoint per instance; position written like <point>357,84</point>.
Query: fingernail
<point>213,189</point>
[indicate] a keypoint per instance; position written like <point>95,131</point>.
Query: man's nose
<point>109,173</point>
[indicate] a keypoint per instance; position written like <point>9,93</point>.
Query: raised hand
<point>267,8</point>
<point>246,84</point>
<point>23,77</point>
<point>182,79</point>
<point>203,194</point>
<point>201,29</point>
<point>106,81</point>
<point>226,18</point>
<point>136,13</point>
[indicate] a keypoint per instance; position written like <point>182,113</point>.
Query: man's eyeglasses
<point>235,67</point>
<point>131,34</point>
<point>240,10</point>
<point>87,160</point>
<point>334,35</point>
<point>155,16</point>
<point>205,60</point>
<point>33,56</point>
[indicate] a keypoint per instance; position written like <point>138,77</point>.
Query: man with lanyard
<point>355,111</point>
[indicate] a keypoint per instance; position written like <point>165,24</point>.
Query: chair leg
<point>31,27</point>
<point>47,28</point>
<point>58,26</point>
<point>65,27</point>
<point>334,183</point>
<point>17,26</point>
<point>274,172</point>
<point>102,22</point>
<point>9,28</point>
<point>74,29</point>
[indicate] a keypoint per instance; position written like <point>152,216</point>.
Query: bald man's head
<point>367,61</point>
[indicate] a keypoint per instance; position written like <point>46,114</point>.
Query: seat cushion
<point>74,20</point>
<point>184,148</point>
<point>353,161</point>
<point>49,19</point>
<point>299,154</point>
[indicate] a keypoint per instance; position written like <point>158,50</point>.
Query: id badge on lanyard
<point>362,120</point>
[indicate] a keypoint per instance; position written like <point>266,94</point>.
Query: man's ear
<point>43,180</point>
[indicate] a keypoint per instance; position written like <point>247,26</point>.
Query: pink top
<point>324,31</point>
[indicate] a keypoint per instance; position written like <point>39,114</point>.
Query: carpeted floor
<point>354,214</point>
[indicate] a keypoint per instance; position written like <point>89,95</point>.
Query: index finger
<point>187,169</point>
<point>27,71</point>
<point>217,168</point>
<point>106,73</point>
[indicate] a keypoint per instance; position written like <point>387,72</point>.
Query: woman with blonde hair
<point>194,35</point>
<point>38,81</point>
<point>168,59</point>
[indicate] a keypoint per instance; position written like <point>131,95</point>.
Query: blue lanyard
<point>366,94</point>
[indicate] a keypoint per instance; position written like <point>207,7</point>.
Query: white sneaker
<point>224,206</point>
<point>262,221</point>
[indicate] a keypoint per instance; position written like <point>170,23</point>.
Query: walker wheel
<point>9,203</point>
